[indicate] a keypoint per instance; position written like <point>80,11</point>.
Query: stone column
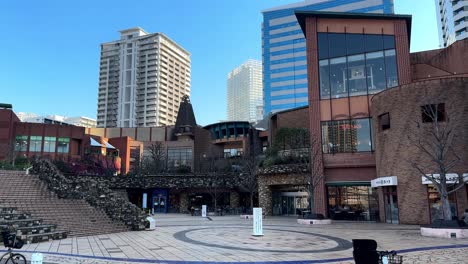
<point>184,202</point>
<point>234,198</point>
<point>264,197</point>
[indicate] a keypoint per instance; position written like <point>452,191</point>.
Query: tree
<point>155,161</point>
<point>433,139</point>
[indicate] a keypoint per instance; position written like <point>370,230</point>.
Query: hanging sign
<point>384,181</point>
<point>203,210</point>
<point>450,177</point>
<point>257,222</point>
<point>145,200</point>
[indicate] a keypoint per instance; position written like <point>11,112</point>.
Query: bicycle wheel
<point>16,259</point>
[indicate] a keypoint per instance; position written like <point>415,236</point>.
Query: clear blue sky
<point>49,50</point>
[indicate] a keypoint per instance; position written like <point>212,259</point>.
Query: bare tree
<point>155,161</point>
<point>250,162</point>
<point>434,139</point>
<point>212,184</point>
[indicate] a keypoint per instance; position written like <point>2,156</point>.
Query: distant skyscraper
<point>142,79</point>
<point>244,92</point>
<point>452,18</point>
<point>57,119</point>
<point>284,49</point>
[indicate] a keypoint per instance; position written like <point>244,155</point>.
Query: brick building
<point>353,58</point>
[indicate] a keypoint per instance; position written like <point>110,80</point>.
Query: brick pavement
<point>181,238</point>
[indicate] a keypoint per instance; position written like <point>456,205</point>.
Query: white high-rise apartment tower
<point>452,18</point>
<point>142,79</point>
<point>244,92</point>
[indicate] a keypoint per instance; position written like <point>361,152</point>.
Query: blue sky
<point>49,53</point>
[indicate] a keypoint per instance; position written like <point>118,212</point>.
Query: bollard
<point>36,258</point>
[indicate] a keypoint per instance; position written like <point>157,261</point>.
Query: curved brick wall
<point>394,148</point>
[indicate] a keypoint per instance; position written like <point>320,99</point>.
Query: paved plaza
<point>181,239</point>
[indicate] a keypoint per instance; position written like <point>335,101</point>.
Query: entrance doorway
<point>159,204</point>
<point>289,203</point>
<point>391,204</point>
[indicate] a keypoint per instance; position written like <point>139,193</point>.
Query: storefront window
<point>21,143</point>
<point>35,144</point>
<point>338,77</point>
<point>344,136</point>
<point>49,144</point>
<point>435,204</point>
<point>352,203</point>
<point>63,145</point>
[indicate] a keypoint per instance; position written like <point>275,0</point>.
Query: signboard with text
<point>257,222</point>
<point>450,177</point>
<point>384,181</point>
<point>203,211</point>
<point>145,200</point>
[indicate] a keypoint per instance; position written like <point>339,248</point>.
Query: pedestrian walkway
<point>182,239</point>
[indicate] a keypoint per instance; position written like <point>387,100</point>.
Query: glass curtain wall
<point>366,64</point>
<point>344,136</point>
<point>352,203</point>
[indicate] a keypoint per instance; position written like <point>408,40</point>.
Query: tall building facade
<point>452,19</point>
<point>142,79</point>
<point>244,92</point>
<point>284,49</point>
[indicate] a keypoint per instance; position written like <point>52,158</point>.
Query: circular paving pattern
<point>274,240</point>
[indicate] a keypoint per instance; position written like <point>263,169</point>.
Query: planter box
<point>444,232</point>
<point>314,221</point>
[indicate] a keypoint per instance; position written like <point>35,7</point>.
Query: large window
<point>356,64</point>
<point>345,136</point>
<point>49,144</point>
<point>435,204</point>
<point>35,144</point>
<point>21,143</point>
<point>177,157</point>
<point>63,145</point>
<point>352,203</point>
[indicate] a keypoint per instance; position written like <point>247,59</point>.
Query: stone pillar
<point>234,198</point>
<point>264,197</point>
<point>184,202</point>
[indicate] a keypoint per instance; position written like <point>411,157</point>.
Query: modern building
<point>452,19</point>
<point>365,92</point>
<point>142,79</point>
<point>244,92</point>
<point>284,49</point>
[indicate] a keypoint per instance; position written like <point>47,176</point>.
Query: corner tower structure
<point>284,49</point>
<point>142,79</point>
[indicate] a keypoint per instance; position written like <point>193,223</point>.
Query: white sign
<point>145,200</point>
<point>257,222</point>
<point>384,181</point>
<point>451,178</point>
<point>203,210</point>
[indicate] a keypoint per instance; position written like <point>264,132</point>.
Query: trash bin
<point>36,258</point>
<point>365,251</point>
<point>152,223</point>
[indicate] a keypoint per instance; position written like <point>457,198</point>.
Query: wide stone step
<point>33,230</point>
<point>21,222</point>
<point>43,237</point>
<point>14,216</point>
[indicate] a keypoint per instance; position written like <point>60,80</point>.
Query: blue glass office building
<point>284,49</point>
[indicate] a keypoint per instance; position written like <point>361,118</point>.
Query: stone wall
<point>97,193</point>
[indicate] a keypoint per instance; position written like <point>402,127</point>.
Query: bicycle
<point>10,241</point>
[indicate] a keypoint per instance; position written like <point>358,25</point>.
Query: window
<point>375,72</point>
<point>433,112</point>
<point>63,145</point>
<point>324,79</point>
<point>21,143</point>
<point>391,72</point>
<point>344,136</point>
<point>355,43</point>
<point>177,157</point>
<point>35,144</point>
<point>49,144</point>
<point>384,121</point>
<point>435,204</point>
<point>338,77</point>
<point>373,42</point>
<point>356,75</point>
<point>323,45</point>
<point>335,45</point>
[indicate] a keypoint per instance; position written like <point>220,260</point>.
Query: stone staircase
<point>20,193</point>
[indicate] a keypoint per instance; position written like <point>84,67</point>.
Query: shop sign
<point>451,178</point>
<point>384,181</point>
<point>203,210</point>
<point>257,222</point>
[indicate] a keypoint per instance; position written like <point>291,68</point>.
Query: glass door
<point>159,204</point>
<point>391,204</point>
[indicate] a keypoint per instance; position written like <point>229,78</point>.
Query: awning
<point>94,143</point>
